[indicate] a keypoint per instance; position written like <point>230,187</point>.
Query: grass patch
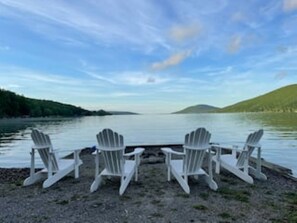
<point>268,192</point>
<point>155,202</point>
<point>272,205</point>
<point>183,195</point>
<point>253,186</point>
<point>229,181</point>
<point>125,198</point>
<point>137,202</point>
<point>239,195</point>
<point>157,215</point>
<point>159,192</point>
<point>200,207</point>
<point>224,215</point>
<point>204,195</point>
<point>62,202</point>
<point>291,198</point>
<point>75,197</point>
<point>96,204</point>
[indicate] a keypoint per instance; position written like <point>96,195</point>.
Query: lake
<point>279,143</point>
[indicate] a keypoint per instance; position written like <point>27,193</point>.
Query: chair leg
<point>36,177</point>
<point>76,163</point>
<point>239,173</point>
<point>168,173</point>
<point>257,174</point>
<point>136,173</point>
<point>182,182</point>
<point>125,182</point>
<point>57,176</point>
<point>96,183</point>
<point>211,183</point>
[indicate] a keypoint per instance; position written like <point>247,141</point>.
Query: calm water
<point>279,143</point>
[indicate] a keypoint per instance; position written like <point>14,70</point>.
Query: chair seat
<point>229,159</point>
<point>129,166</point>
<point>63,164</point>
<point>178,167</point>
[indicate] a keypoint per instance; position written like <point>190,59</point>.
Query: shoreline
<point>151,199</point>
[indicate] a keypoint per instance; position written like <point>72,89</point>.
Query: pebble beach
<point>151,199</point>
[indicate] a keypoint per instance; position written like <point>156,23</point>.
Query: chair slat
<point>198,141</point>
<point>43,140</point>
<point>250,145</point>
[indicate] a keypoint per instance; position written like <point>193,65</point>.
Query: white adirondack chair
<point>239,164</point>
<point>111,147</point>
<point>55,168</point>
<point>195,147</point>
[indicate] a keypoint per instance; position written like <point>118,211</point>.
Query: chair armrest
<point>193,147</point>
<point>137,151</point>
<point>40,147</point>
<point>258,145</point>
<point>167,150</point>
<point>228,147</point>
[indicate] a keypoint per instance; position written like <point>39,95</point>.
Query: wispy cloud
<point>173,60</point>
<point>118,27</point>
<point>238,17</point>
<point>100,77</point>
<point>234,44</point>
<point>4,48</point>
<point>21,74</point>
<point>135,78</point>
<point>139,78</point>
<point>184,33</point>
<point>281,75</point>
<point>289,5</point>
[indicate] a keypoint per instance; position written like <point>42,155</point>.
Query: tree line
<point>13,105</point>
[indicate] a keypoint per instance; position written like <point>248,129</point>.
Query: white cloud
<point>289,5</point>
<point>173,60</point>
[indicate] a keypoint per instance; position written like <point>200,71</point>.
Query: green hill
<point>281,100</point>
<point>197,109</point>
<point>13,105</point>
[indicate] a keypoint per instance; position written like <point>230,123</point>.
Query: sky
<point>147,56</point>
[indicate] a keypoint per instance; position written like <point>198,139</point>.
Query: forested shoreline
<point>13,105</point>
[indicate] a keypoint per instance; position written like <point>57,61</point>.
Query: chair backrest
<point>43,141</point>
<point>195,146</point>
<point>111,145</point>
<point>251,143</point>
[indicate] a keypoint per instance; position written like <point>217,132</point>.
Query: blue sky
<point>147,56</point>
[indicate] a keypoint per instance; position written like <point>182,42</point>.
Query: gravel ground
<point>151,199</point>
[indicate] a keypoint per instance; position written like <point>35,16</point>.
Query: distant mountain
<point>122,113</point>
<point>197,109</point>
<point>13,105</point>
<point>281,100</point>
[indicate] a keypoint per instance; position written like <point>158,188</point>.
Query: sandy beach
<point>151,199</point>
